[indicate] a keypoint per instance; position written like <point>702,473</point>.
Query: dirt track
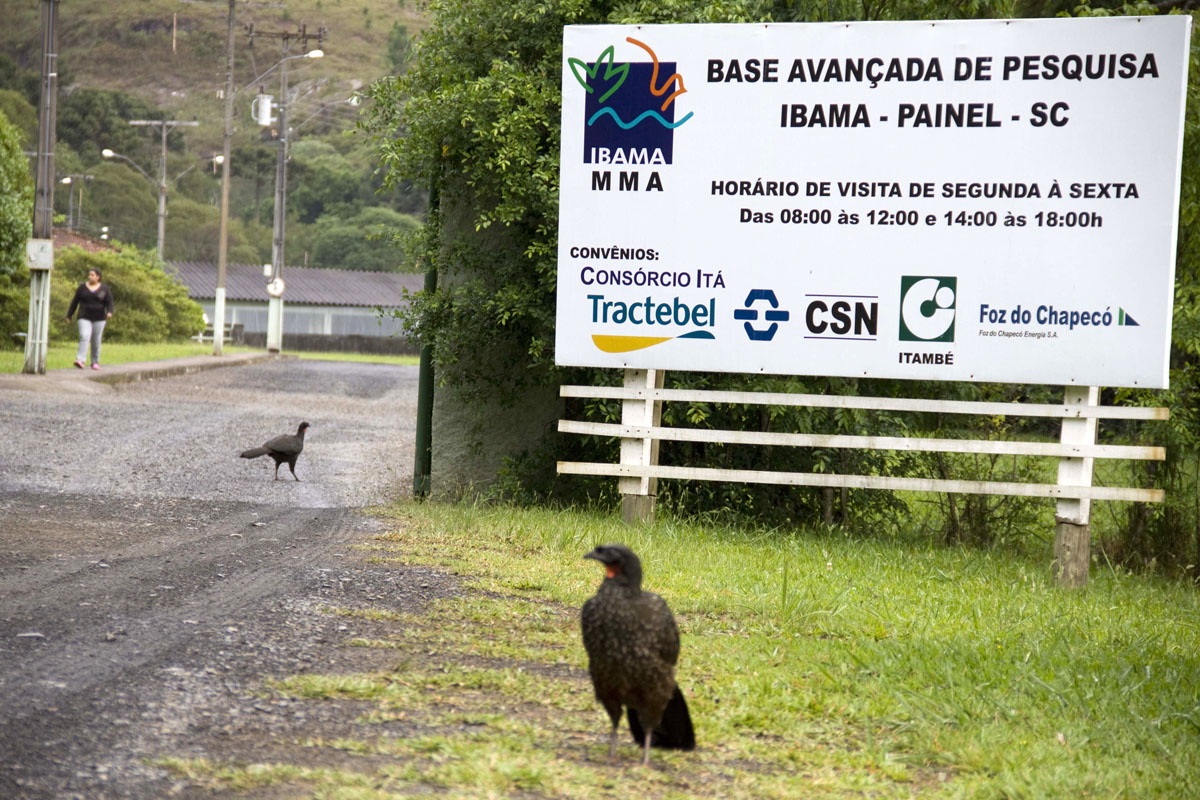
<point>150,580</point>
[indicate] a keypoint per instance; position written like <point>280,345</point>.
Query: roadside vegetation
<point>361,358</point>
<point>816,664</point>
<point>61,355</point>
<point>152,307</point>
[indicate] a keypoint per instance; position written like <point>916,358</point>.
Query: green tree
<point>255,165</point>
<point>477,118</point>
<point>16,225</point>
<point>369,241</point>
<point>16,199</point>
<point>1167,535</point>
<point>192,231</point>
<point>26,82</point>
<point>321,181</point>
<point>21,114</point>
<point>91,120</point>
<point>126,202</point>
<point>400,49</point>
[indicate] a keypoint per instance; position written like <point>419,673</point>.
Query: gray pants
<point>89,332</point>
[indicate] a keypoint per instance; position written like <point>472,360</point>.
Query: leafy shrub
<point>151,306</point>
<point>16,219</point>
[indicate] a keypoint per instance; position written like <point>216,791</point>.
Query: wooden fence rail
<point>640,432</point>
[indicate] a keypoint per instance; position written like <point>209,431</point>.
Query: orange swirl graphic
<point>654,76</point>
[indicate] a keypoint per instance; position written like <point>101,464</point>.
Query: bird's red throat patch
<point>611,570</point>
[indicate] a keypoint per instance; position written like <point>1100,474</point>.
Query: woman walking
<point>95,303</point>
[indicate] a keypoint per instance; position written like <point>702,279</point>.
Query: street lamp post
<point>162,195</point>
<point>74,211</point>
<point>161,183</point>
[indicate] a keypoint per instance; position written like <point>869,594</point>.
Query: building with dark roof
<point>328,303</point>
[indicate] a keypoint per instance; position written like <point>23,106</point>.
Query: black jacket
<point>94,306</point>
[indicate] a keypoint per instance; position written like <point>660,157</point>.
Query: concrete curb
<point>76,381</point>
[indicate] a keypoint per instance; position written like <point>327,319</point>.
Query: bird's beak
<point>610,570</point>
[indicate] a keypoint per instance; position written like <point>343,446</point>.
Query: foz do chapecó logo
<point>927,308</point>
<point>629,109</point>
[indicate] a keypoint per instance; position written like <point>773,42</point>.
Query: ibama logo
<point>629,111</point>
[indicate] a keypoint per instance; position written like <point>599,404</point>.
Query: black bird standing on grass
<point>283,449</point>
<point>632,644</point>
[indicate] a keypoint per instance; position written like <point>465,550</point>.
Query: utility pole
<point>226,166</point>
<point>275,287</point>
<point>40,249</point>
<point>223,241</point>
<point>166,125</point>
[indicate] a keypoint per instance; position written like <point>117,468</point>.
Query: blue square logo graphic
<point>629,108</point>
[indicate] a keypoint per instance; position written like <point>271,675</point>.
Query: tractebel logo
<point>629,112</point>
<point>927,308</point>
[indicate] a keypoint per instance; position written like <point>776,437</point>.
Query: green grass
<point>815,665</point>
<point>61,355</point>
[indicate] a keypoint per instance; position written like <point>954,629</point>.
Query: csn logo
<point>927,308</point>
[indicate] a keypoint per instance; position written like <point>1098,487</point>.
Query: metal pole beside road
<point>275,300</point>
<point>223,235</point>
<point>40,249</point>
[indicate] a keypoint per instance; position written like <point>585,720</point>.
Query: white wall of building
<point>329,320</point>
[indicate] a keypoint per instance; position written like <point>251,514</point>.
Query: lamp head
<point>107,153</point>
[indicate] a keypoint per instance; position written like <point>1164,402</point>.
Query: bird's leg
<point>646,748</point>
<point>293,469</point>
<point>276,470</point>
<point>612,744</point>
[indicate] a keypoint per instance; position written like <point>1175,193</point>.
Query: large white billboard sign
<point>980,201</point>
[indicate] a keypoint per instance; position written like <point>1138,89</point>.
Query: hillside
<point>171,53</point>
<point>150,59</point>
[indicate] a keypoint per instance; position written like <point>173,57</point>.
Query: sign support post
<point>639,495</point>
<point>1072,528</point>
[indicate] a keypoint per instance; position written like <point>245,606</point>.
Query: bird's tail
<point>674,732</point>
<point>254,452</point>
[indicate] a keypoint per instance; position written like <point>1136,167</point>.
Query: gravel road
<point>150,580</point>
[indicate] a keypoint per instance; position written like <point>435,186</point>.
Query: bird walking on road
<point>632,644</point>
<point>283,449</point>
